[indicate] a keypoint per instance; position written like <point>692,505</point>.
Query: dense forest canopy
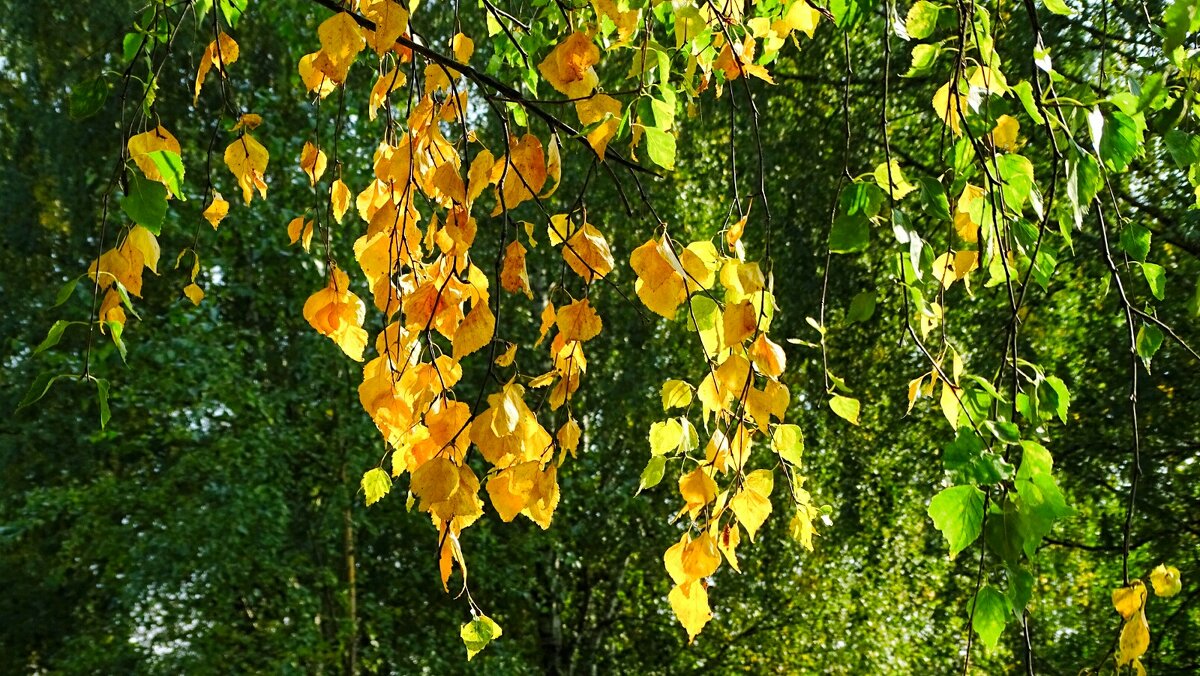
<point>609,336</point>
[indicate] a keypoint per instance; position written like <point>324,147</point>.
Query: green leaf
<point>922,20</point>
<point>115,329</point>
<point>1122,140</point>
<point>846,13</point>
<point>170,165</point>
<point>958,513</point>
<point>146,203</point>
<point>66,291</point>
<point>1020,589</point>
<point>862,198</point>
<point>1024,92</point>
<point>1135,241</point>
<point>39,388</point>
<point>102,395</point>
<point>1059,7</point>
<point>967,457</point>
<point>123,293</point>
<point>1149,339</point>
<point>788,442</point>
<point>1057,396</point>
<point>653,473</point>
<point>845,407</point>
<point>477,633</point>
<point>375,484</point>
<point>130,45</point>
<point>88,97</point>
<point>1183,147</point>
<point>933,199</point>
<point>862,306</point>
<point>660,147</point>
<point>233,10</point>
<point>1006,432</point>
<point>850,234</point>
<point>1156,277</point>
<point>1181,18</point>
<point>991,612</point>
<point>924,57</point>
<point>1016,175</point>
<point>1039,500</point>
<point>54,335</point>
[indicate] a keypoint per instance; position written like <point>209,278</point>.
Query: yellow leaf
<point>477,633</point>
<point>626,21</point>
<point>676,394</point>
<point>313,78</point>
<point>768,356</point>
<point>300,230</point>
<point>700,557</point>
<point>1165,580</point>
<point>801,525</point>
<point>479,175</point>
<point>988,80</point>
<point>739,321</point>
<point>247,159</point>
<point>1004,136</point>
<point>513,276</point>
<point>463,47</point>
<point>339,199</point>
<point>548,319</point>
<point>727,541</point>
<point>568,67</point>
<point>697,488</point>
<point>338,314</point>
<point>1135,639</point>
<point>544,498</point>
<point>217,210</point>
<point>845,407</point>
<point>689,601</point>
<point>248,121</point>
<point>375,484</point>
<point>434,481</point>
<point>914,392</point>
<point>587,253</point>
<point>391,21</point>
<point>384,86</point>
<point>147,245</point>
<point>950,107</point>
<point>506,359</point>
<point>568,436</point>
<point>341,41</point>
<point>553,170</point>
<point>799,16</point>
<point>593,110</point>
<point>141,145</point>
<point>891,179</point>
<point>752,504</point>
<point>950,406</point>
<point>194,293</point>
<point>312,161</point>
<point>220,53</point>
<point>476,330</point>
<point>510,489</point>
<point>521,174</point>
<point>578,321</point>
<point>659,285</point>
<point>1129,600</point>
